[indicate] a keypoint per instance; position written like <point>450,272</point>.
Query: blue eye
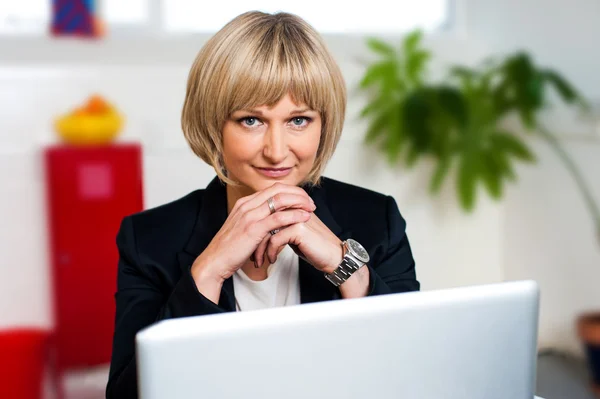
<point>299,121</point>
<point>248,121</point>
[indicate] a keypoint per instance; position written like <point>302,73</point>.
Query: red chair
<point>23,358</point>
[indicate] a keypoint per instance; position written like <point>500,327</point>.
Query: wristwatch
<point>355,257</point>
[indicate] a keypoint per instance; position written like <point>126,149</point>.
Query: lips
<point>274,172</point>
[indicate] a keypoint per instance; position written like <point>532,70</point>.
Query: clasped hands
<point>248,233</point>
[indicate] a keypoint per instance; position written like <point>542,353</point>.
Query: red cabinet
<point>89,190</point>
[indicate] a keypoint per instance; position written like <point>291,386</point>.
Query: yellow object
<point>96,123</point>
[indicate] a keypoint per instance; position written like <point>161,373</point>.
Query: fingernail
<point>256,265</point>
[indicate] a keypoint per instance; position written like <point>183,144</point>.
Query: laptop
<point>475,342</point>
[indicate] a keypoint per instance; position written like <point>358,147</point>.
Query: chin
<point>261,183</point>
<point>255,181</point>
<point>268,182</point>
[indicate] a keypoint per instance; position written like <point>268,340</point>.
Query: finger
<point>281,219</point>
<point>260,198</point>
<point>278,252</point>
<point>282,202</point>
<point>281,239</point>
<point>259,253</point>
<point>273,251</point>
<point>272,260</point>
<point>277,187</point>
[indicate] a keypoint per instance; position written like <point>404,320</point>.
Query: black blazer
<point>158,246</point>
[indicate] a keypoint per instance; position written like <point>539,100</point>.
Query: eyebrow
<point>260,113</point>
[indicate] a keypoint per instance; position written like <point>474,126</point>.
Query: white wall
<point>559,33</point>
<point>539,232</point>
<point>548,234</point>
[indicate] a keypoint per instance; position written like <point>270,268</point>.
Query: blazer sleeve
<point>140,303</point>
<point>396,272</point>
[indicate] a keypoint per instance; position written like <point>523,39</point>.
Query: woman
<point>264,106</point>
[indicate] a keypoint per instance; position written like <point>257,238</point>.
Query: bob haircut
<point>255,60</point>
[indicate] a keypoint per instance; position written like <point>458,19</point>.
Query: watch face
<point>357,250</point>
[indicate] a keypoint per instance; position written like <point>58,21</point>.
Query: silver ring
<point>273,232</point>
<point>271,204</point>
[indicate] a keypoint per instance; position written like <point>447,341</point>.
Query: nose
<point>275,147</point>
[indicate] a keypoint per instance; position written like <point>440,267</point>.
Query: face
<point>265,145</point>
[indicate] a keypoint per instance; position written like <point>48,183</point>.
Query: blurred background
<point>90,100</point>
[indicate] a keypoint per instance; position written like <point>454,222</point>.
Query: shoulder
<point>165,223</point>
<point>357,207</point>
<point>349,195</point>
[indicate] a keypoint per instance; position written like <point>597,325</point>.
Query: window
<point>31,17</point>
<point>126,11</point>
<point>326,16</point>
<point>24,16</point>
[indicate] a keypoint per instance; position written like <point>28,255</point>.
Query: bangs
<point>276,66</point>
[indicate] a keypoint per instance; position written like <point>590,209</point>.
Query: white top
<point>280,288</point>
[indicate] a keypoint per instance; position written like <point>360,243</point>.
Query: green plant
<point>465,123</point>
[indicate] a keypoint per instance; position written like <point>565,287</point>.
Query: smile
<point>274,172</point>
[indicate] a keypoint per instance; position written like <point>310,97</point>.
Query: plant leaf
<point>566,91</point>
<point>467,181</point>
<point>380,47</point>
<point>521,88</point>
<point>415,65</point>
<point>441,171</point>
<point>462,72</point>
<point>382,72</point>
<point>511,144</point>
<point>412,41</point>
<point>376,127</point>
<point>379,104</point>
<point>417,114</point>
<point>502,161</point>
<point>453,103</point>
<point>491,175</point>
<point>412,155</point>
<point>395,135</point>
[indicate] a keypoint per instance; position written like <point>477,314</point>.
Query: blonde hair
<point>254,60</point>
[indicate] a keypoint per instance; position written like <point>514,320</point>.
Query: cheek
<point>308,147</point>
<point>237,148</point>
<point>233,151</point>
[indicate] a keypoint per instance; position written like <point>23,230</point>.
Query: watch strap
<point>343,272</point>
